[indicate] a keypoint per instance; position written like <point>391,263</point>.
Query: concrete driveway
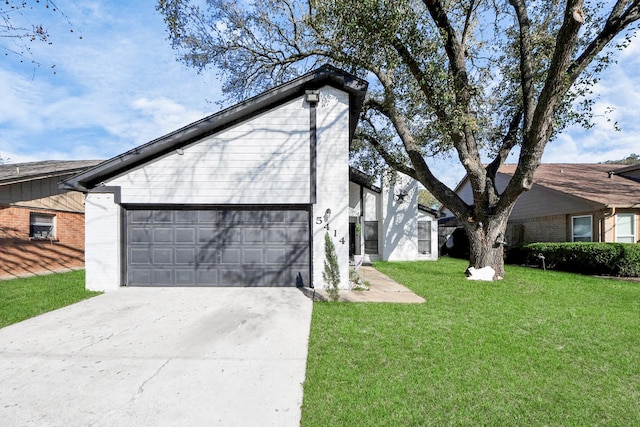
<point>179,357</point>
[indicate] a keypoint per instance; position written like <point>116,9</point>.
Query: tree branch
<point>526,68</point>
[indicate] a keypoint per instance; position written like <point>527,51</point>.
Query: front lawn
<point>538,348</point>
<point>21,299</point>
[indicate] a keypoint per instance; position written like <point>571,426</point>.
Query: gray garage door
<point>214,247</point>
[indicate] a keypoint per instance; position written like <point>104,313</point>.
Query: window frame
<point>35,220</point>
<point>427,228</point>
<point>633,227</point>
<point>573,234</point>
<point>370,226</point>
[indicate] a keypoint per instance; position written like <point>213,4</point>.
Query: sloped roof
<point>19,172</point>
<point>591,182</point>
<point>323,76</point>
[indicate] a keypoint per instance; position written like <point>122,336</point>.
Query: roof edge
<point>326,75</point>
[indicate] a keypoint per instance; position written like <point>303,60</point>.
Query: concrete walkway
<point>159,357</point>
<point>381,289</point>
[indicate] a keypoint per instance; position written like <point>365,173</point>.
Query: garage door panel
<point>185,277</point>
<point>141,256</point>
<point>162,256</point>
<point>163,235</point>
<point>217,247</point>
<point>185,235</point>
<point>185,256</point>
<point>230,256</point>
<point>208,256</point>
<point>139,235</point>
<point>252,235</point>
<point>253,256</point>
<point>162,277</point>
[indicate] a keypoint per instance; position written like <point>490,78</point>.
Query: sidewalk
<point>381,289</point>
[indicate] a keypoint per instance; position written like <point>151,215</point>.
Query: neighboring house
<point>573,203</point>
<point>41,226</point>
<point>243,197</point>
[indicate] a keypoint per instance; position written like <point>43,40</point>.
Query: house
<point>387,223</point>
<point>573,203</point>
<point>244,197</point>
<point>41,225</point>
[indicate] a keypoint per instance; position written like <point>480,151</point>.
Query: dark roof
<point>325,75</point>
<point>19,172</point>
<point>598,183</point>
<point>424,208</point>
<point>358,177</point>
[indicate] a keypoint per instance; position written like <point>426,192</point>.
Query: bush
<point>608,259</point>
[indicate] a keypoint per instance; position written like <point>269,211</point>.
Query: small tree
<point>331,273</point>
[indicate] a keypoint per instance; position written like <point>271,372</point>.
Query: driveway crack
<point>141,388</point>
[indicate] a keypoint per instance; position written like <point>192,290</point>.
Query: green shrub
<point>611,259</point>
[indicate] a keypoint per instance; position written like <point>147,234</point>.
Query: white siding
<point>332,182</point>
<point>265,160</point>
<point>400,223</point>
<point>102,242</point>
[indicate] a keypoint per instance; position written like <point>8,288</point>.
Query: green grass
<point>21,299</point>
<point>537,348</point>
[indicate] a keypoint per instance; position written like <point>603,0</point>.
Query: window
<point>42,226</point>
<point>625,228</point>
<point>371,237</point>
<point>424,237</point>
<point>581,228</point>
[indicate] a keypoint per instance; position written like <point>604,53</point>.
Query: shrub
<point>610,259</point>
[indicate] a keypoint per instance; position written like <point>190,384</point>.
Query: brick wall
<point>543,229</point>
<point>20,255</point>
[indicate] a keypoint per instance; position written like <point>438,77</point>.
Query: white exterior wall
<point>332,190</point>
<point>102,242</point>
<point>399,228</point>
<point>264,160</point>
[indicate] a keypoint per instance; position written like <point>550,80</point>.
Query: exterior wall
<point>551,228</point>
<point>399,233</point>
<point>22,256</point>
<point>42,194</point>
<point>538,202</point>
<point>332,190</point>
<point>264,160</point>
<point>103,242</point>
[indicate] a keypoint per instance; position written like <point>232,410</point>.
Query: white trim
<point>633,228</point>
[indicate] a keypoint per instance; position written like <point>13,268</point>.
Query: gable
<point>326,76</point>
<point>265,159</point>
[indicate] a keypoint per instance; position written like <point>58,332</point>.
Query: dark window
<point>371,237</point>
<point>42,226</point>
<point>424,237</point>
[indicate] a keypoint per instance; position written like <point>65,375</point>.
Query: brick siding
<point>22,256</point>
<point>543,229</point>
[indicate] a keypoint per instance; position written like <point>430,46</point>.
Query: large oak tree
<point>481,78</point>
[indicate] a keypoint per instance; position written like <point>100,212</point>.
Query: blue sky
<point>120,86</point>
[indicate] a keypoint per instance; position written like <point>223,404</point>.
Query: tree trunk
<point>486,244</point>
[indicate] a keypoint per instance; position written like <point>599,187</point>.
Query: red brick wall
<point>19,255</point>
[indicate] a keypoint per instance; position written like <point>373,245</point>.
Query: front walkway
<point>381,289</point>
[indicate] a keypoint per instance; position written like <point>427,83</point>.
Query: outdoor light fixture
<point>312,96</point>
<point>180,151</point>
<point>401,196</point>
<point>327,215</point>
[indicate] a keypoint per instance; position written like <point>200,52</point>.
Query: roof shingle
<point>588,181</point>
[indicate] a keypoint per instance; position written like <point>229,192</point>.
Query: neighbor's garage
<point>217,247</point>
